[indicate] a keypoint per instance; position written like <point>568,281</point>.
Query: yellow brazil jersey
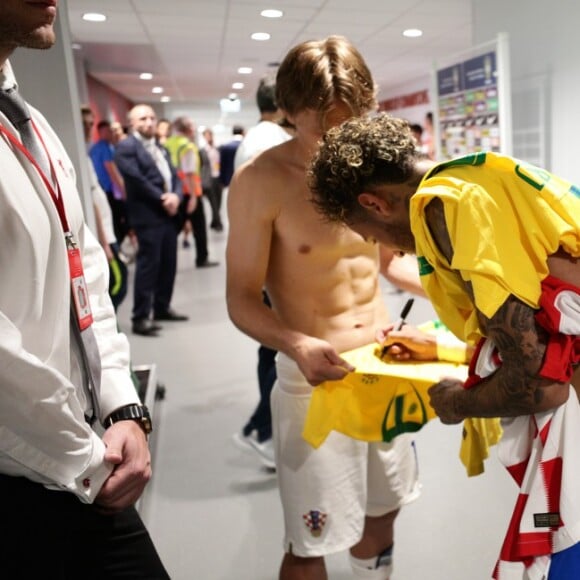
<point>504,218</point>
<point>382,399</point>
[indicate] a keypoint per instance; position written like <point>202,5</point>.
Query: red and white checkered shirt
<point>541,451</point>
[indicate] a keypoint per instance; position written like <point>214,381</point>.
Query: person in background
<point>69,486</point>
<point>227,155</point>
<point>417,132</point>
<point>185,158</point>
<point>256,434</point>
<point>153,200</point>
<point>326,299</point>
<point>102,155</point>
<point>119,132</point>
<point>268,132</point>
<point>428,137</point>
<point>104,222</point>
<point>517,297</point>
<point>210,179</point>
<point>163,131</point>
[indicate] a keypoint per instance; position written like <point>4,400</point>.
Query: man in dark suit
<point>153,198</point>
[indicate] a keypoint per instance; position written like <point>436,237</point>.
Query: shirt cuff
<point>117,390</point>
<point>88,483</point>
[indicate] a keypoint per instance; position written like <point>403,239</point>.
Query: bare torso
<point>322,278</point>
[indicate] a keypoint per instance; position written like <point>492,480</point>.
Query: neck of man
<point>304,151</point>
<point>269,116</point>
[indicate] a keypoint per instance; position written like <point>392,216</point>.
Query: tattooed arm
<point>515,388</point>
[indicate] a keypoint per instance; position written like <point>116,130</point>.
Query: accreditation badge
<point>79,289</point>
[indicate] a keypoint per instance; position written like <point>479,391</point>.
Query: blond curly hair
<point>356,156</point>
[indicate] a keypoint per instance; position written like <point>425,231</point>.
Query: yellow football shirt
<point>504,218</point>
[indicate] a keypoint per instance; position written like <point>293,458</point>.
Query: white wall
<point>544,50</point>
<point>415,114</point>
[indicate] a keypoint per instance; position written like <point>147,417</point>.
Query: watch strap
<point>133,412</point>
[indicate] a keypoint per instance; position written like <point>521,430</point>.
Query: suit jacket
<point>227,155</point>
<point>144,183</point>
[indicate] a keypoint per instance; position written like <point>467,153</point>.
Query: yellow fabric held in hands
<point>382,399</point>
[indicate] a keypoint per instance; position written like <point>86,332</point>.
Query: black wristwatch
<point>139,413</point>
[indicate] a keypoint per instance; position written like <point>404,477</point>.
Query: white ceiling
<point>194,47</point>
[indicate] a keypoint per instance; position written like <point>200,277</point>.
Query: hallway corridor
<point>214,512</point>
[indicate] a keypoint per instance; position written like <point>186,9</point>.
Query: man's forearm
<point>510,393</point>
<point>263,325</point>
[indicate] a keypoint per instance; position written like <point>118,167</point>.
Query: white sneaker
<point>265,449</point>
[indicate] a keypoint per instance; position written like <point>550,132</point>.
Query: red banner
<point>404,101</point>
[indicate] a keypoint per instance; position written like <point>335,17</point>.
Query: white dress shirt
<point>43,432</point>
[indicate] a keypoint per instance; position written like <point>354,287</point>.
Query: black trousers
<point>199,227</point>
<point>214,194</point>
<point>52,535</point>
<point>120,219</point>
<point>261,419</point>
<point>155,269</point>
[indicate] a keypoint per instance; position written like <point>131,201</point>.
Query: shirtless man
<point>323,283</point>
<point>498,243</point>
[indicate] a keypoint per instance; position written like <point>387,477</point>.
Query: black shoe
<point>170,315</point>
<point>145,327</point>
<point>217,227</point>
<point>207,264</point>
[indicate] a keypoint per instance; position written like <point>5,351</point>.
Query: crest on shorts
<point>314,521</point>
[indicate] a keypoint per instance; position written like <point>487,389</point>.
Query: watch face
<point>146,423</point>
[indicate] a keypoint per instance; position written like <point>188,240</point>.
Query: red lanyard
<point>55,194</point>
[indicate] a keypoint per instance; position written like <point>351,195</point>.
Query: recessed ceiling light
<point>238,86</point>
<point>76,46</point>
<point>145,76</point>
<point>260,36</point>
<point>245,70</point>
<point>94,17</point>
<point>412,33</point>
<point>157,90</point>
<point>272,13</point>
<point>165,99</point>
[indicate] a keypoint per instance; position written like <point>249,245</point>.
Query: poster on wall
<point>471,117</point>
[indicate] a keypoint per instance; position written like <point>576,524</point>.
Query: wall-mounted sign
<point>469,111</point>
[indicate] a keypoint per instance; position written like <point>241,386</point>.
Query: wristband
<point>451,349</point>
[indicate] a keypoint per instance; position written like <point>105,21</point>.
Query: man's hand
<point>170,202</point>
<point>443,398</point>
<point>319,362</point>
<point>408,343</point>
<point>127,450</point>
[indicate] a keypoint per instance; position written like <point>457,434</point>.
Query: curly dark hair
<point>354,157</point>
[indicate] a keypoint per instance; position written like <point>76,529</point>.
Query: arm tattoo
<point>516,388</point>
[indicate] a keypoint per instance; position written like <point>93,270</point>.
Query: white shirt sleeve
<point>43,432</point>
